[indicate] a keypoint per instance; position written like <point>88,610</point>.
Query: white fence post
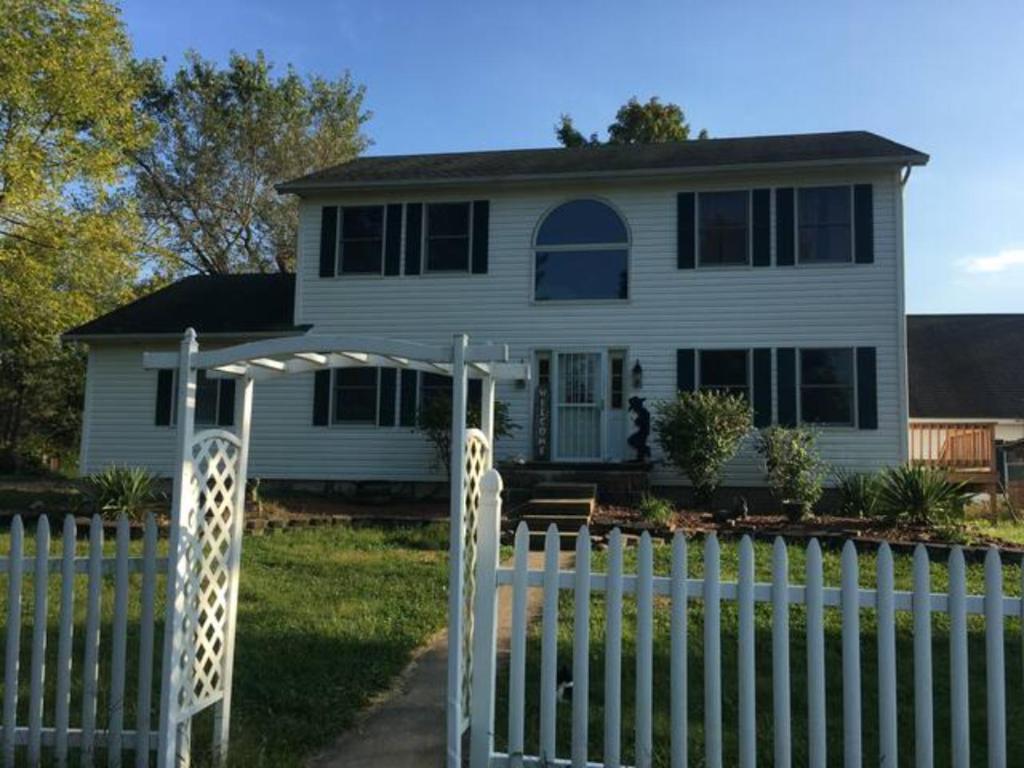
<point>12,647</point>
<point>222,709</point>
<point>485,622</point>
<point>995,668</point>
<point>171,678</point>
<point>456,547</point>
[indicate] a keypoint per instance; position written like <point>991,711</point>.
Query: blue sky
<point>943,77</point>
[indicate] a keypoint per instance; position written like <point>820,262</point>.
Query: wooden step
<point>565,491</point>
<point>562,522</point>
<point>581,509</point>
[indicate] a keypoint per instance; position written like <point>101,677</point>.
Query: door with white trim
<point>579,406</point>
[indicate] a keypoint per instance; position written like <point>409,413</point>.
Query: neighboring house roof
<point>212,304</point>
<point>609,160</point>
<point>966,366</point>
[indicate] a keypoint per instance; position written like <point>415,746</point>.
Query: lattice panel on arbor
<point>207,545</point>
<point>476,458</point>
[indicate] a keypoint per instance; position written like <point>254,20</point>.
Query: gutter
<point>299,186</point>
<point>165,336</point>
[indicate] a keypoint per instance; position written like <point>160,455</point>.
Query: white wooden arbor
<point>208,509</point>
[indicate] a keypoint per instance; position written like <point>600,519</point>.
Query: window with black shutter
<point>726,371</point>
<point>215,399</point>
<point>355,395</point>
<point>362,240</point>
<point>724,219</point>
<point>827,386</point>
<point>824,225</point>
<point>448,237</point>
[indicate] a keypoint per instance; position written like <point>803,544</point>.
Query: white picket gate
<point>675,592</point>
<point>49,731</point>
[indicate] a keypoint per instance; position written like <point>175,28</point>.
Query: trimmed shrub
<point>130,491</point>
<point>858,493</point>
<point>699,433</point>
<point>656,510</point>
<point>794,468</point>
<point>921,495</point>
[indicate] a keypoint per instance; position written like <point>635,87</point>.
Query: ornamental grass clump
<point>922,495</point>
<point>857,493</point>
<point>699,433</point>
<point>794,468</point>
<point>122,490</point>
<point>656,510</point>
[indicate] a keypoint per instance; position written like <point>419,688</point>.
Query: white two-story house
<point>771,266</point>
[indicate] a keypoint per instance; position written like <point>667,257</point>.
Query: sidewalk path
<point>406,730</point>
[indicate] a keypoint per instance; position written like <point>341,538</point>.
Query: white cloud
<point>1002,261</point>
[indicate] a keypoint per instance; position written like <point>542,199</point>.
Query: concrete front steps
<point>567,506</point>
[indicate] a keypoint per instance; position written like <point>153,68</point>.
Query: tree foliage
<point>434,420</point>
<point>700,432</point>
<point>635,123</point>
<point>225,137</point>
<point>793,465</point>
<point>68,233</point>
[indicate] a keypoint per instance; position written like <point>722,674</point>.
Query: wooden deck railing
<point>958,446</point>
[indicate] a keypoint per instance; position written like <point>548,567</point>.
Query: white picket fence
<point>41,740</point>
<point>678,590</point>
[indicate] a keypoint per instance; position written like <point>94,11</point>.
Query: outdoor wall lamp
<point>638,375</point>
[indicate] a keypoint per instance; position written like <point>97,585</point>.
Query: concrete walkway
<point>407,728</point>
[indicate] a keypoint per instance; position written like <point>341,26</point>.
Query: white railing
<point>41,742</point>
<point>675,592</point>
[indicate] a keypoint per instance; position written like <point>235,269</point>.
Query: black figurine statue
<point>642,418</point>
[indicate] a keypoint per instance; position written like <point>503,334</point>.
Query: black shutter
<point>686,257</point>
<point>413,237</point>
<point>481,235</point>
<point>388,388</point>
<point>328,239</point>
<point>407,411</point>
<point>867,388</point>
<point>762,388</point>
<point>784,246</point>
<point>785,360</point>
<point>164,397</point>
<point>393,241</point>
<point>686,370</point>
<point>226,404</point>
<point>321,398</point>
<point>864,224</point>
<point>762,227</point>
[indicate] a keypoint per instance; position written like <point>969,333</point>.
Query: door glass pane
<point>579,406</point>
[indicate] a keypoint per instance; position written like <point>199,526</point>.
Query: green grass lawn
<point>327,618</point>
<point>729,629</point>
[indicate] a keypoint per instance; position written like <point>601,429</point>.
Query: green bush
<point>858,493</point>
<point>656,510</point>
<point>130,491</point>
<point>699,433</point>
<point>794,468</point>
<point>921,495</point>
<point>435,421</point>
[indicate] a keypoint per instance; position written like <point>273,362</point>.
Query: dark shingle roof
<point>633,159</point>
<point>209,303</point>
<point>966,366</point>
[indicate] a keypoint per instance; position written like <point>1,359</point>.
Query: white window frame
<point>750,229</point>
<point>854,415</point>
<point>699,364</point>
<point>798,260</point>
<point>425,239</point>
<point>340,244</point>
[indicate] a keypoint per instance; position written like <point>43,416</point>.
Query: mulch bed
<point>830,530</point>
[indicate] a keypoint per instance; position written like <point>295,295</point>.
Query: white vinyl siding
<point>849,305</point>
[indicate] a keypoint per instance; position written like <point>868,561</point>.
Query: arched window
<point>581,252</point>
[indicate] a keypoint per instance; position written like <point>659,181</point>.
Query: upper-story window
<point>362,240</point>
<point>448,237</point>
<point>724,228</point>
<point>824,224</point>
<point>581,252</point>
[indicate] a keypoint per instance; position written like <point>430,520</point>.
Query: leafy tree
<point>700,433</point>
<point>635,123</point>
<point>225,137</point>
<point>68,233</point>
<point>434,420</point>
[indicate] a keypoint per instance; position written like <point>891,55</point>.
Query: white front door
<point>579,406</point>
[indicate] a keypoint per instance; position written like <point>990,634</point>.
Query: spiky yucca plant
<point>123,490</point>
<point>858,493</point>
<point>922,495</point>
